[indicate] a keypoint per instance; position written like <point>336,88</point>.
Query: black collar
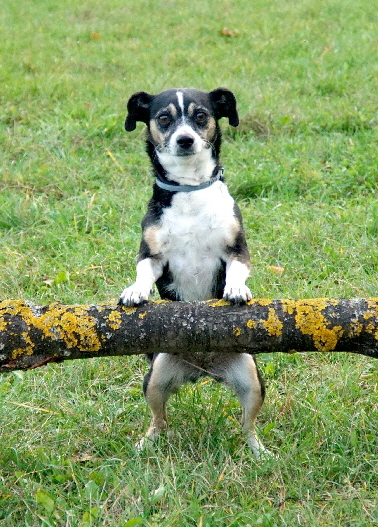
<point>175,187</point>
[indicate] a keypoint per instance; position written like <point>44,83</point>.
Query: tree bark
<point>31,336</point>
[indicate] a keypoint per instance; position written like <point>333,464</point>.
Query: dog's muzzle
<point>185,145</point>
<point>185,141</point>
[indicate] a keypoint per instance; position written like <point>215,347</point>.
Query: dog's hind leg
<point>166,375</point>
<point>240,372</point>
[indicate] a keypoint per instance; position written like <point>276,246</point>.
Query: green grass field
<point>303,166</point>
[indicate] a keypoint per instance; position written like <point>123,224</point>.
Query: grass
<point>74,186</point>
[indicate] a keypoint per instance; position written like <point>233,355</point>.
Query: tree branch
<point>31,336</point>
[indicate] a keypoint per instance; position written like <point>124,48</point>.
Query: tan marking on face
<point>172,110</point>
<point>157,135</point>
<point>210,130</point>
<point>150,236</point>
<point>191,108</point>
<point>208,133</point>
<point>160,136</point>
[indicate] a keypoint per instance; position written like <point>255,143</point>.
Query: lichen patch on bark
<point>310,320</point>
<point>273,324</point>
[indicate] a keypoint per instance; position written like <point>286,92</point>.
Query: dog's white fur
<point>191,237</point>
<point>188,170</point>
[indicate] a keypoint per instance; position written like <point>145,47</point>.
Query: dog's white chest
<point>194,234</point>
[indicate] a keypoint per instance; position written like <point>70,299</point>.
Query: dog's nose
<point>185,141</point>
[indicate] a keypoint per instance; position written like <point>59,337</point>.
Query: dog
<point>193,244</point>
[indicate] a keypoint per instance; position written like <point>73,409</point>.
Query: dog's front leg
<point>148,271</point>
<point>235,290</point>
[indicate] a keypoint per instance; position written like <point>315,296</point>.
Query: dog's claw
<point>237,295</point>
<point>133,296</point>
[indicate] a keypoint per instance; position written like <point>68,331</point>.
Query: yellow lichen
<point>260,301</point>
<point>30,344</point>
<point>372,327</point>
<point>142,315</point>
<point>114,320</point>
<point>78,330</point>
<point>27,350</point>
<point>250,324</point>
<point>71,324</point>
<point>273,324</point>
<point>102,306</point>
<point>355,328</point>
<point>289,306</point>
<point>237,332</point>
<point>310,320</point>
<point>128,310</point>
<point>3,311</point>
<point>219,303</point>
<point>373,304</point>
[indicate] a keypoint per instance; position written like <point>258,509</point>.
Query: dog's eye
<point>164,119</point>
<point>201,117</point>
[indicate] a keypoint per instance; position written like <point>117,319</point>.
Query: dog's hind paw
<point>258,449</point>
<point>133,296</point>
<point>149,440</point>
<point>144,443</point>
<point>237,295</point>
<point>264,454</point>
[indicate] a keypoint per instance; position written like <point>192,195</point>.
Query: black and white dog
<point>193,244</point>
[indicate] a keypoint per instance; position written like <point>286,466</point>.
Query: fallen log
<point>31,335</point>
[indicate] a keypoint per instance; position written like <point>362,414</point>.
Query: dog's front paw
<point>133,296</point>
<point>237,295</point>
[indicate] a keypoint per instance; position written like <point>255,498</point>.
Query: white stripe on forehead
<point>180,98</point>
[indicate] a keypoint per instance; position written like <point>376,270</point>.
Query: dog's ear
<point>224,104</point>
<point>138,109</point>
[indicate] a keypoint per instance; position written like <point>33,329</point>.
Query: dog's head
<point>182,122</point>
